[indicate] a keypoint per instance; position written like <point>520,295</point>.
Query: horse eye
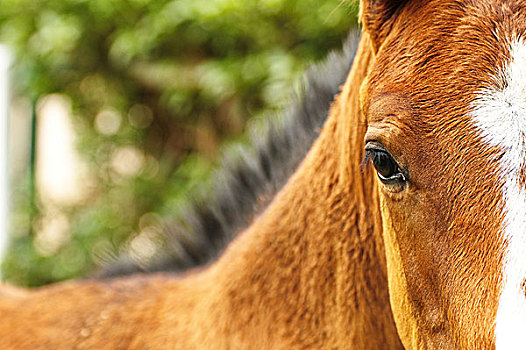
<point>384,164</point>
<point>388,170</point>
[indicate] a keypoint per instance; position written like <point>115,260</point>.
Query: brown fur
<point>314,270</point>
<point>309,273</point>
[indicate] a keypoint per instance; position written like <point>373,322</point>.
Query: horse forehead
<point>442,65</point>
<point>500,107</point>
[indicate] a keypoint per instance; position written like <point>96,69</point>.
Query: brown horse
<point>430,251</point>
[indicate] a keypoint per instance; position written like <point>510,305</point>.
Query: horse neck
<point>312,269</point>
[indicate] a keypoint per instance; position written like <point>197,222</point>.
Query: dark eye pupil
<point>384,164</point>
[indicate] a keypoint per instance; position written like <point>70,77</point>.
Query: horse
<point>402,227</point>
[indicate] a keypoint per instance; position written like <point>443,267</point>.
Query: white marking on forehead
<point>500,113</point>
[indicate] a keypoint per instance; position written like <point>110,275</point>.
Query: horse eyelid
<point>370,148</point>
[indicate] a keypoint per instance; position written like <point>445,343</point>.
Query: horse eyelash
<point>366,161</point>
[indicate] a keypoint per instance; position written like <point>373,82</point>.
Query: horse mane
<point>250,177</point>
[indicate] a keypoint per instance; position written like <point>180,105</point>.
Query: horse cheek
<point>398,288</point>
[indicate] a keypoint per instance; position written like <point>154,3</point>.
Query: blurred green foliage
<point>166,82</point>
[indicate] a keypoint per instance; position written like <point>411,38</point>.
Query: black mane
<point>246,183</point>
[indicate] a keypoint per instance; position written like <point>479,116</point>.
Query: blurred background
<point>112,112</point>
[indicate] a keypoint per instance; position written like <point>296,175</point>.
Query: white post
<point>5,64</point>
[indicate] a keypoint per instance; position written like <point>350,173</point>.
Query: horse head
<point>445,106</point>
